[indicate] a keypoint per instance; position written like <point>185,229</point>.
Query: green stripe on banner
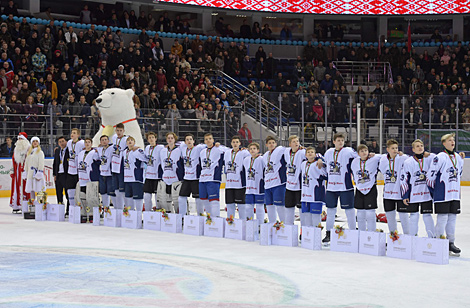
<point>463,139</point>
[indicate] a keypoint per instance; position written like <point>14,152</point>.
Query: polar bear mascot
<point>116,106</point>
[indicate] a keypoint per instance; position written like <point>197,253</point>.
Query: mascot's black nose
<point>98,100</point>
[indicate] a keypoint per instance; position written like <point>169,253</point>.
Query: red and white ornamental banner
<point>339,7</point>
<point>6,168</point>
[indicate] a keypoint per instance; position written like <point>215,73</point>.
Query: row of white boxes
<point>372,243</point>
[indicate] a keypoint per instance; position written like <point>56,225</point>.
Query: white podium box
<point>347,242</point>
<point>40,212</point>
<point>286,236</point>
<point>372,243</point>
<point>172,224</point>
<point>96,216</point>
<point>132,221</point>
<point>152,220</point>
<point>56,212</point>
<point>266,234</point>
<point>112,218</point>
<point>75,214</point>
<point>402,248</point>
<point>216,228</point>
<point>252,230</point>
<point>236,230</point>
<point>311,238</point>
<point>24,206</point>
<point>193,225</point>
<point>432,250</point>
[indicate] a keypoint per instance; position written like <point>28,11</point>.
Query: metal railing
<point>362,73</point>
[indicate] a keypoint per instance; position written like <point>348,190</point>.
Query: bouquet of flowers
<point>320,226</point>
<point>339,230</point>
<point>278,225</point>
<point>107,211</point>
<point>323,216</point>
<point>442,237</point>
<point>125,211</point>
<point>379,230</point>
<point>44,206</point>
<point>165,215</point>
<point>394,235</point>
<point>229,220</point>
<point>208,219</point>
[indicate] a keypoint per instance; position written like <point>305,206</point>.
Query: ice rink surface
<point>57,264</point>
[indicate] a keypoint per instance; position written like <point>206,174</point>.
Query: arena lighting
<point>339,7</point>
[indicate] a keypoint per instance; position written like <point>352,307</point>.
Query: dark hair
<point>236,137</point>
<point>120,125</point>
<point>189,135</point>
<point>104,136</point>
<point>61,137</point>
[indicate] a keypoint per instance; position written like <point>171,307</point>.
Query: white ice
<point>52,264</point>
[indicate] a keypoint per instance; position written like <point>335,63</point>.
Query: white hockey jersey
<point>119,144</point>
<point>105,156</point>
<point>191,159</point>
<point>365,173</point>
<point>74,148</point>
<point>392,180</point>
<point>133,165</point>
<point>212,161</point>
<point>294,160</point>
<point>313,182</point>
<point>172,165</point>
<point>153,170</point>
<point>233,166</point>
<point>254,174</point>
<point>413,180</point>
<point>88,167</point>
<point>275,170</point>
<point>444,177</point>
<point>338,167</point>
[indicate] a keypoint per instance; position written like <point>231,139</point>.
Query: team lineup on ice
<point>114,181</point>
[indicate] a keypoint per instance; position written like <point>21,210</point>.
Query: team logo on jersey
<point>126,164</point>
<point>150,162</point>
<point>72,156</point>
<point>270,167</point>
<point>104,160</point>
<point>452,173</point>
<point>231,167</point>
<point>306,180</point>
<point>335,168</point>
<point>168,164</point>
<point>187,161</point>
<point>420,177</point>
<point>435,160</point>
<point>363,176</point>
<point>116,150</point>
<point>251,174</point>
<point>291,170</point>
<point>206,162</point>
<point>82,166</point>
<point>389,177</point>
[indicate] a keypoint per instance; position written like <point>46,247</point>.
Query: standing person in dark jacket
<point>60,168</point>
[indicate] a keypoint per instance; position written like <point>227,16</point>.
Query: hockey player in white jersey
<point>414,189</point>
<point>192,172</point>
<point>171,163</point>
<point>74,146</point>
<point>119,141</point>
<point>313,190</point>
<point>235,184</point>
<point>364,170</point>
<point>275,177</point>
<point>88,171</point>
<point>104,154</point>
<point>444,181</point>
<point>294,156</point>
<point>254,172</point>
<point>338,166</point>
<point>153,172</point>
<point>391,167</point>
<point>133,160</point>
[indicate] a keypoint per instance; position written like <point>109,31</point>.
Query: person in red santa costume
<point>18,184</point>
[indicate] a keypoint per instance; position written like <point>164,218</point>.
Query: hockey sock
<point>450,228</point>
<point>249,211</point>
<point>260,213</point>
<point>199,206</point>
<point>414,220</point>
<point>242,211</point>
<point>148,201</point>
<point>429,224</point>
<point>281,213</point>
<point>391,220</point>
<point>371,220</point>
<point>130,202</point>
<point>71,194</point>
<point>272,214</point>
<point>139,204</point>
<point>405,222</point>
<point>231,209</point>
<point>361,220</point>
<point>289,215</point>
<point>113,199</point>
<point>105,200</point>
<point>157,206</point>
<point>441,224</point>
<point>119,199</point>
<point>330,218</point>
<point>316,219</point>
<point>215,208</point>
<point>351,215</point>
<point>305,220</point>
<point>183,205</point>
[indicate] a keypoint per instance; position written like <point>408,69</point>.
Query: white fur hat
<point>36,138</point>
